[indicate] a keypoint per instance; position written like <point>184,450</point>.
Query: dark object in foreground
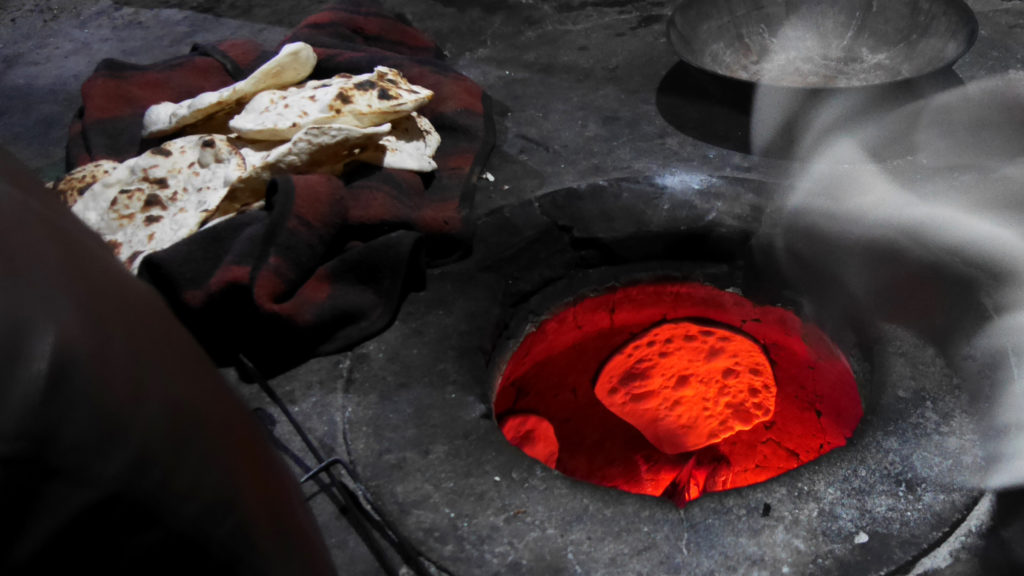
<point>122,448</point>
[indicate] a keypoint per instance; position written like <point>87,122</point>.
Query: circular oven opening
<point>425,445</point>
<point>675,389</point>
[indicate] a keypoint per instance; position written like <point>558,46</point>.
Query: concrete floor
<point>574,84</point>
<point>47,49</point>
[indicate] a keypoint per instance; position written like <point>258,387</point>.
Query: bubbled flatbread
<point>361,101</point>
<point>686,385</point>
<point>76,183</point>
<point>162,196</point>
<point>292,65</point>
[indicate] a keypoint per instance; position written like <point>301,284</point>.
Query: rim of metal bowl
<point>959,6</point>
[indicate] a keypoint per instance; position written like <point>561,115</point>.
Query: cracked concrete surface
<point>47,49</point>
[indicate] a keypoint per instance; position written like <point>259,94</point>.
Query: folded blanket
<point>327,264</point>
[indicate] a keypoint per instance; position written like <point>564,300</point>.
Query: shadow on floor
<point>717,110</point>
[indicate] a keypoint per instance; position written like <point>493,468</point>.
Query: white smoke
<point>916,216</point>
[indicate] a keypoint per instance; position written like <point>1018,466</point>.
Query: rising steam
<point>916,217</point>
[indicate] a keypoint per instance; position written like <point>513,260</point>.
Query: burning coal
<point>916,217</point>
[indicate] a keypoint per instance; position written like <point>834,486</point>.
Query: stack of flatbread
<point>230,142</point>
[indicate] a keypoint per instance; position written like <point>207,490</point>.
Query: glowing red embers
<point>629,409</point>
<point>533,435</point>
<point>685,385</point>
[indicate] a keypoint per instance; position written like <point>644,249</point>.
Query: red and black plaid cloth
<point>329,261</point>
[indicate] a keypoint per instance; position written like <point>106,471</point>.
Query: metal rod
<point>351,510</point>
<point>368,525</point>
<point>321,467</point>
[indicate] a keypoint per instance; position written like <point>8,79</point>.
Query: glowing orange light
<point>564,371</point>
<point>533,435</point>
<point>685,385</point>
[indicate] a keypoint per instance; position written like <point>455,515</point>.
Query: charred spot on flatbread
<point>130,261</point>
<point>159,182</point>
<point>76,183</point>
<point>153,200</point>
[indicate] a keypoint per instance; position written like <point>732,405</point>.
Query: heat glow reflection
<point>717,420</point>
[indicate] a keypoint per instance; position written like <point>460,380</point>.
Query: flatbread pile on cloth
<point>303,230</point>
<point>241,136</point>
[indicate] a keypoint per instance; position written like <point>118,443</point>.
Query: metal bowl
<point>814,44</point>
